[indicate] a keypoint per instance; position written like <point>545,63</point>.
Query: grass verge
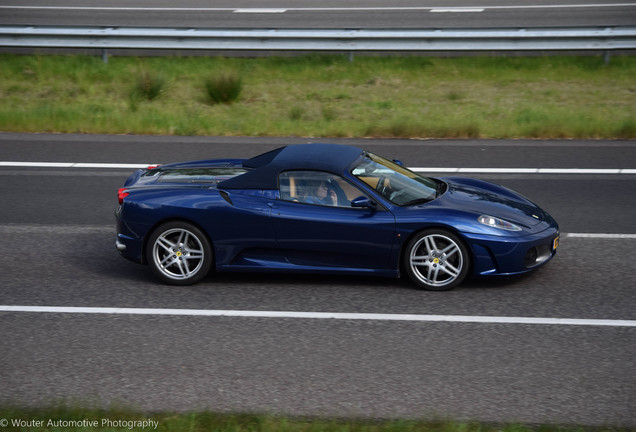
<point>322,96</point>
<point>83,420</point>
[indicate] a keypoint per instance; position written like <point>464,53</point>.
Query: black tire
<point>179,253</point>
<point>436,260</point>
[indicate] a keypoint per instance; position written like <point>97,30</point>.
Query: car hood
<point>483,198</point>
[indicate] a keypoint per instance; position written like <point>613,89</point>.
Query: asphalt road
<point>324,14</point>
<point>58,233</point>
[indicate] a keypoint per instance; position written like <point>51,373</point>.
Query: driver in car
<point>322,194</point>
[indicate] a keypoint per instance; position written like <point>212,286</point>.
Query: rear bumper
<point>129,247</point>
<point>128,244</point>
<point>121,247</point>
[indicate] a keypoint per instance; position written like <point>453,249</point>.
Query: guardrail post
<point>606,57</point>
<point>104,55</point>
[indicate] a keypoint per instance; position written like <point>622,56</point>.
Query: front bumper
<point>495,255</point>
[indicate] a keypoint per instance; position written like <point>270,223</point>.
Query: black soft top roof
<point>265,168</point>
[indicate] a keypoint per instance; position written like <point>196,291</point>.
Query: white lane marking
<point>525,170</point>
<point>71,165</point>
<point>259,10</point>
<point>321,315</point>
<point>600,236</point>
<point>458,10</point>
<point>315,9</point>
<point>416,169</point>
<point>109,165</point>
<point>37,164</point>
<point>579,171</point>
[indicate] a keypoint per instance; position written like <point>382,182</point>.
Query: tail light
<point>122,193</point>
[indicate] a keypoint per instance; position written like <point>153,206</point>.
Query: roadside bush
<point>223,89</point>
<point>149,85</point>
<point>626,129</point>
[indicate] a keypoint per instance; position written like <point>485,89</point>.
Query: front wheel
<point>436,260</point>
<point>179,253</point>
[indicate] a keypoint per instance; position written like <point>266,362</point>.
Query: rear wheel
<point>436,260</point>
<point>179,253</point>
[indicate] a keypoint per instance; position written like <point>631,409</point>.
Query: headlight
<point>495,222</point>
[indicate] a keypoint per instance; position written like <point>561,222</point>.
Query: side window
<point>314,187</point>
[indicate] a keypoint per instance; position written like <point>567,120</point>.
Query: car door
<point>243,235</point>
<point>310,232</point>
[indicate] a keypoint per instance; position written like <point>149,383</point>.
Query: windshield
<point>394,182</point>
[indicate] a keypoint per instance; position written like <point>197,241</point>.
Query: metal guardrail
<point>351,40</point>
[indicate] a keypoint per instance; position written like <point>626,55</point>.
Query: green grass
<point>322,96</point>
<point>67,419</point>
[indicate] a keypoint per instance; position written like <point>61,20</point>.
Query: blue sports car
<point>327,208</point>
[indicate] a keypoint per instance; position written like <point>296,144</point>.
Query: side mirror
<point>398,162</point>
<point>363,202</point>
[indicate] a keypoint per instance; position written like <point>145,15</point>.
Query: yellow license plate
<point>555,243</point>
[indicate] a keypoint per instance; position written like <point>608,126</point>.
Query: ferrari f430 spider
<point>327,208</point>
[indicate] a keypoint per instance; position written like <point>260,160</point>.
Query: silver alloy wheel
<point>178,254</point>
<point>436,260</point>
